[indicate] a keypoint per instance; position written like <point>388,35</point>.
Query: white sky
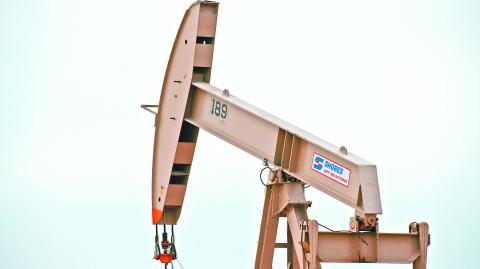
<point>397,82</point>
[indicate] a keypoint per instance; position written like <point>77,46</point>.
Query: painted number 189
<point>219,109</point>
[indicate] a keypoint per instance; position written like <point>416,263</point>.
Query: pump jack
<point>295,158</point>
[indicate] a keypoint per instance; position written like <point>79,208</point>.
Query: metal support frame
<point>307,247</point>
<point>189,103</point>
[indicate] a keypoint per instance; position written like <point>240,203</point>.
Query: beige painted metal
<point>285,145</point>
<point>188,102</point>
<point>174,146</point>
<point>313,247</point>
<point>268,232</point>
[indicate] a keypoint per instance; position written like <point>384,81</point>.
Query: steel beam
<point>268,231</point>
<point>307,247</point>
<point>284,145</point>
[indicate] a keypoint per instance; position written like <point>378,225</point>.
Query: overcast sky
<point>397,82</point>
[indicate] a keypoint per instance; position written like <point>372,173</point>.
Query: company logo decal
<point>330,169</point>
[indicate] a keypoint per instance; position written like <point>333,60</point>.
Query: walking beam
<point>331,169</point>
